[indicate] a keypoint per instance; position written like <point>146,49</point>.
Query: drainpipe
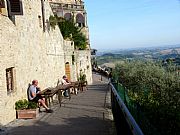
<point>43,14</point>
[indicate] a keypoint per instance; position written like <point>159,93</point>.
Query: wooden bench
<point>61,88</point>
<point>75,86</point>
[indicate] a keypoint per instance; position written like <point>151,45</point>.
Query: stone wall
<point>83,64</point>
<point>34,54</point>
<point>8,44</point>
<point>82,61</point>
<point>69,51</point>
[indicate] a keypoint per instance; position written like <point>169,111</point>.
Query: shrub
<point>52,21</point>
<point>156,90</point>
<point>32,105</point>
<point>82,77</point>
<point>69,31</point>
<point>24,104</point>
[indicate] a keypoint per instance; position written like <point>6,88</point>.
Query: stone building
<point>74,10</point>
<point>30,49</point>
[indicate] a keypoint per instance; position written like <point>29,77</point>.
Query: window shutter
<point>15,7</point>
<point>2,5</point>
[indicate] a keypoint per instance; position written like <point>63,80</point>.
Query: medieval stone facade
<point>30,49</point>
<point>74,10</point>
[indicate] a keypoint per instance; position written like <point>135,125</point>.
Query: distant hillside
<point>161,53</point>
<point>162,49</point>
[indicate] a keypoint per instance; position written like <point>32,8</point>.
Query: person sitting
<point>34,95</point>
<point>64,81</point>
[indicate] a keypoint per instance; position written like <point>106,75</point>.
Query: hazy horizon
<point>139,48</point>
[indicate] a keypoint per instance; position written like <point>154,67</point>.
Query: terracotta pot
<point>27,113</point>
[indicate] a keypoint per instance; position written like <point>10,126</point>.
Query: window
<point>73,59</point>
<point>2,5</point>
<point>10,80</point>
<point>80,20</point>
<point>68,16</point>
<point>15,7</point>
<point>79,24</point>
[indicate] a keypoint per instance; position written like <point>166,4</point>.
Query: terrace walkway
<point>85,114</point>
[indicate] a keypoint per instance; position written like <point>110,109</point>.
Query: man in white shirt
<point>65,81</point>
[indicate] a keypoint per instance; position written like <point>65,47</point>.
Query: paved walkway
<point>85,114</point>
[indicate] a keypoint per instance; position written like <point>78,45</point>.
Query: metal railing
<point>125,123</point>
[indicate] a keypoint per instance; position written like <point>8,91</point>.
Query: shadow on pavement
<point>73,126</point>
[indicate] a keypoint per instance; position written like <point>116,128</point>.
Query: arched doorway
<point>67,70</point>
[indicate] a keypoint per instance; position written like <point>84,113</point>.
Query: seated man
<point>35,96</point>
<point>65,81</point>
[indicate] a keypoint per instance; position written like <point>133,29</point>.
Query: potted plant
<point>82,81</point>
<point>26,109</point>
<point>82,77</point>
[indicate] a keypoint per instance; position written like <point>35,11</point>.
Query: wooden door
<point>67,71</point>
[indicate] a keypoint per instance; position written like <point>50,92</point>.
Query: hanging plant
<point>52,21</point>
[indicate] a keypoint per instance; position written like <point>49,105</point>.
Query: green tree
<point>69,31</point>
<point>156,90</point>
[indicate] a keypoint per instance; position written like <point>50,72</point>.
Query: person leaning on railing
<point>34,95</point>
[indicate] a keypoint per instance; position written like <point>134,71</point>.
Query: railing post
<point>125,101</point>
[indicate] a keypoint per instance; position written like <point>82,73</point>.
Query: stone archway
<point>68,16</point>
<point>80,20</point>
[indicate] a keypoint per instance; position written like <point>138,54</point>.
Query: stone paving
<point>88,113</point>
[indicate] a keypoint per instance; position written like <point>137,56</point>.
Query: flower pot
<point>27,113</point>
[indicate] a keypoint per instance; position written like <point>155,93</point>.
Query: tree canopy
<point>156,89</point>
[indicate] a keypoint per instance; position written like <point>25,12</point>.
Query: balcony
<point>62,6</point>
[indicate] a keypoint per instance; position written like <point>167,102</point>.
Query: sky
<point>122,24</point>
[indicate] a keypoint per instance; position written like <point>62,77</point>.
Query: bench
<point>75,86</point>
<point>61,88</point>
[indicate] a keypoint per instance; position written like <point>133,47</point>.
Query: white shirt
<point>63,82</point>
